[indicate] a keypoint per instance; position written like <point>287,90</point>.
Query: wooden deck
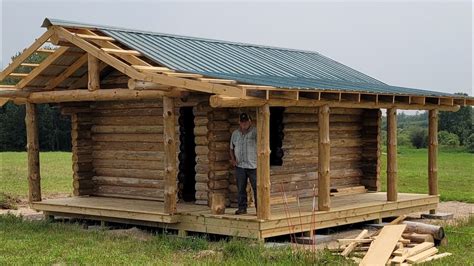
<point>196,218</point>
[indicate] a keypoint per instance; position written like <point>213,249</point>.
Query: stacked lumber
<point>202,151</point>
<point>395,244</point>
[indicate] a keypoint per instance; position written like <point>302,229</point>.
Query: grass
<point>43,243</point>
<point>455,173</point>
<point>56,173</point>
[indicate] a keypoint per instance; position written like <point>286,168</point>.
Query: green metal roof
<point>248,63</point>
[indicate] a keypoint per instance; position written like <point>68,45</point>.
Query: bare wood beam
<point>134,84</point>
<point>433,154</point>
<point>392,167</point>
<point>34,177</point>
<point>18,75</point>
<point>46,51</point>
<point>263,163</point>
<point>170,162</point>
<point>225,101</point>
<point>182,75</point>
<point>120,51</point>
<point>23,56</point>
<point>67,73</point>
<point>324,158</point>
<point>29,65</point>
<point>98,95</point>
<point>95,37</point>
<point>152,68</point>
<point>220,81</point>
<point>93,73</point>
<point>43,65</point>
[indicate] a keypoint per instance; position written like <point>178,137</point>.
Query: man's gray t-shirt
<point>245,148</point>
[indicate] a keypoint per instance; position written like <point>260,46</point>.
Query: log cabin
<point>151,120</point>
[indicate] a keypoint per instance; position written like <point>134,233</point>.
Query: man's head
<point>244,121</point>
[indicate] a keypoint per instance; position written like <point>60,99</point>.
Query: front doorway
<point>187,156</point>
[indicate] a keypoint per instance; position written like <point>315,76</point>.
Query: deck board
<point>283,220</point>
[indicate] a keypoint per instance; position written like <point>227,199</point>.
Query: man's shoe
<point>240,211</point>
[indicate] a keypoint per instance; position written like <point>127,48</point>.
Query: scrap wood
<point>397,220</point>
<point>423,255</point>
<point>419,238</point>
<point>402,255</point>
<point>435,257</point>
<point>352,245</point>
<point>421,228</point>
<point>381,248</point>
<point>347,191</point>
<point>348,241</point>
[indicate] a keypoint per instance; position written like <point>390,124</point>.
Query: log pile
<point>202,151</point>
<point>395,244</point>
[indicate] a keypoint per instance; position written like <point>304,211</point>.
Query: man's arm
<point>233,161</point>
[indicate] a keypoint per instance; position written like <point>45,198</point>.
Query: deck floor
<point>284,219</point>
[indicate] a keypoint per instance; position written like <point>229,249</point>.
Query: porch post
<point>34,177</point>
<point>93,82</point>
<point>433,154</point>
<point>263,162</point>
<point>169,141</point>
<point>392,193</point>
<point>324,158</point>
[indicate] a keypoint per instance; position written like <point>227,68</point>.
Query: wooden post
<point>433,154</point>
<point>324,158</point>
<point>34,177</point>
<point>263,162</point>
<point>170,161</point>
<point>93,72</point>
<point>392,193</point>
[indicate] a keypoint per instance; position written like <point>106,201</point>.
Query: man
<point>243,154</point>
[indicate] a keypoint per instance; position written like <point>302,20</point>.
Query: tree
<point>419,137</point>
<point>459,123</point>
<point>448,139</point>
<point>470,143</point>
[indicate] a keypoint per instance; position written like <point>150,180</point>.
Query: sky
<point>418,44</point>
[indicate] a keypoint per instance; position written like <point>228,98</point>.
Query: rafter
<point>43,65</point>
<point>66,73</point>
<point>23,56</point>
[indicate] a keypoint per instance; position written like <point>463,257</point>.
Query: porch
<point>284,219</point>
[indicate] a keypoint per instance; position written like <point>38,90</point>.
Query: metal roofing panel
<point>248,63</point>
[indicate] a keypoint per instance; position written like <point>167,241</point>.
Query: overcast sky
<point>425,44</point>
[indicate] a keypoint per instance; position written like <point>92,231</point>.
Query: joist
<point>45,51</point>
<point>43,65</point>
<point>182,75</point>
<point>29,64</point>
<point>220,81</point>
<point>95,37</point>
<point>152,68</point>
<point>18,75</point>
<point>23,56</point>
<point>66,73</point>
<point>121,51</point>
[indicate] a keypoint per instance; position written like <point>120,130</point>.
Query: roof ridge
<point>52,21</point>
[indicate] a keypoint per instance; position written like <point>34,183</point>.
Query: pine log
<point>324,156</point>
<point>433,154</point>
<point>420,228</point>
<point>263,163</point>
<point>32,139</point>
<point>392,193</point>
<point>170,151</point>
<point>217,201</point>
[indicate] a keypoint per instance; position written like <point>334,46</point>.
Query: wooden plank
<point>23,56</point>
<point>95,37</point>
<point>182,75</point>
<point>433,154</point>
<point>409,252</point>
<point>152,68</point>
<point>436,257</point>
<point>382,247</point>
<point>354,244</point>
<point>18,75</point>
<point>32,139</point>
<point>423,255</point>
<point>263,163</point>
<point>29,64</point>
<point>67,73</point>
<point>93,83</point>
<point>221,81</point>
<point>324,157</point>
<point>392,167</point>
<point>169,139</point>
<point>120,51</point>
<point>43,65</point>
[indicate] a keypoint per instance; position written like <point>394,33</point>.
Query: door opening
<point>187,156</point>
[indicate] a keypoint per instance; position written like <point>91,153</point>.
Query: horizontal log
<point>128,137</point>
<point>128,164</point>
<point>151,156</point>
<point>129,120</point>
<point>314,110</point>
<point>97,95</point>
<point>129,112</point>
<point>128,129</point>
<point>132,173</point>
<point>129,192</point>
<point>127,182</point>
<point>128,146</point>
<point>128,105</point>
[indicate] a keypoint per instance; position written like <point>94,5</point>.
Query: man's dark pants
<point>241,175</point>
